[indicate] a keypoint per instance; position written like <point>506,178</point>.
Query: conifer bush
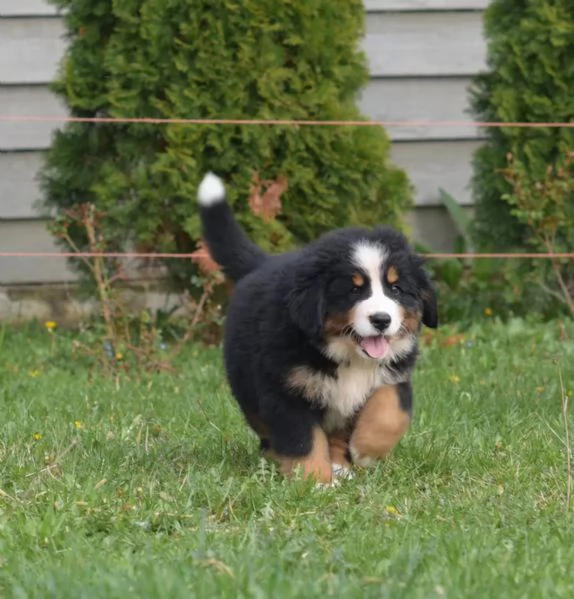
<point>217,59</point>
<point>530,78</point>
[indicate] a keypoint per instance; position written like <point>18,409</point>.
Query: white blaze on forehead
<point>370,259</point>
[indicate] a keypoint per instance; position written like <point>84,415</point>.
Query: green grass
<point>154,487</point>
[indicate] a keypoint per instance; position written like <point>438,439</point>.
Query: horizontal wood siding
<point>30,236</point>
<point>424,44</point>
<point>396,44</point>
<point>402,99</point>
<point>420,99</point>
<point>11,8</point>
<point>429,224</point>
<point>421,53</point>
<point>18,186</point>
<point>30,49</point>
<point>432,165</point>
<point>26,8</point>
<point>28,100</point>
<point>421,5</point>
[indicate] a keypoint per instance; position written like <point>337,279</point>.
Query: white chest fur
<point>346,394</point>
<point>343,394</point>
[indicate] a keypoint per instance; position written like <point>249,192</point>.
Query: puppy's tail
<point>228,244</point>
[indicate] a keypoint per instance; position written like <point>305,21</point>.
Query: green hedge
<point>530,78</point>
<point>228,59</point>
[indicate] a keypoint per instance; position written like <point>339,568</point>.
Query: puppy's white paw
<point>340,471</point>
<point>325,485</point>
<point>362,461</point>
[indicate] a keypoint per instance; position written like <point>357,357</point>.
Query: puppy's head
<point>361,292</point>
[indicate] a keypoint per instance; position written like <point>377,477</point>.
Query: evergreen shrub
<point>530,78</point>
<point>246,59</point>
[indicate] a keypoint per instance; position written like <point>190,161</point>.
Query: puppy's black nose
<point>380,320</point>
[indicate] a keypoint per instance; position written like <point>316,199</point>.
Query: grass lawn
<point>154,487</point>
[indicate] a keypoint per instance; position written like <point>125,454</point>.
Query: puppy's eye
<point>395,289</point>
<point>355,290</point>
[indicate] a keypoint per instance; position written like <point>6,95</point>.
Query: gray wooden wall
<point>422,54</point>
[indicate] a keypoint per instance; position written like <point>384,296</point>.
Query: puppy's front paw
<point>363,461</point>
<point>341,472</point>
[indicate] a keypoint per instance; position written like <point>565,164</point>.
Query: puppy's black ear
<point>428,296</point>
<point>306,299</point>
<point>430,309</point>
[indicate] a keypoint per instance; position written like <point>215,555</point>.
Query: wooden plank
<point>422,5</point>
<point>402,44</point>
<point>436,99</point>
<point>26,8</point>
<point>19,190</point>
<point>30,49</point>
<point>11,8</point>
<point>424,44</point>
<point>431,165</point>
<point>30,236</point>
<point>28,101</point>
<point>383,99</point>
<point>18,8</point>
<point>431,226</point>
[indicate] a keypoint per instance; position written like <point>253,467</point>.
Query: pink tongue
<point>376,347</point>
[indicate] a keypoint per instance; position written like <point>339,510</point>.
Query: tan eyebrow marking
<point>392,275</point>
<point>358,280</point>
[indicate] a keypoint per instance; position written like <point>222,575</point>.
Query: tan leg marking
<point>380,426</point>
<point>316,465</point>
<point>338,447</point>
<point>338,451</point>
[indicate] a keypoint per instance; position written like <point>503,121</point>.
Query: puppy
<point>320,343</point>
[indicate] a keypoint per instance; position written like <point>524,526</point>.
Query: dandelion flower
<point>78,424</point>
<point>453,378</point>
<point>488,312</point>
<point>50,325</point>
<point>37,436</point>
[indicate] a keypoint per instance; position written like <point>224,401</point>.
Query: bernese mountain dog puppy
<point>320,343</point>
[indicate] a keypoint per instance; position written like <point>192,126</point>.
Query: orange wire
<point>202,254</point>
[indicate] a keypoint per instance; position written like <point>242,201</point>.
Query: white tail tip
<point>211,190</point>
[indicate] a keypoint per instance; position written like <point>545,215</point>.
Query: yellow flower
<point>50,325</point>
<point>453,378</point>
<point>78,424</point>
<point>487,312</point>
<point>391,509</point>
<point>35,373</point>
<point>119,356</point>
<point>37,436</point>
